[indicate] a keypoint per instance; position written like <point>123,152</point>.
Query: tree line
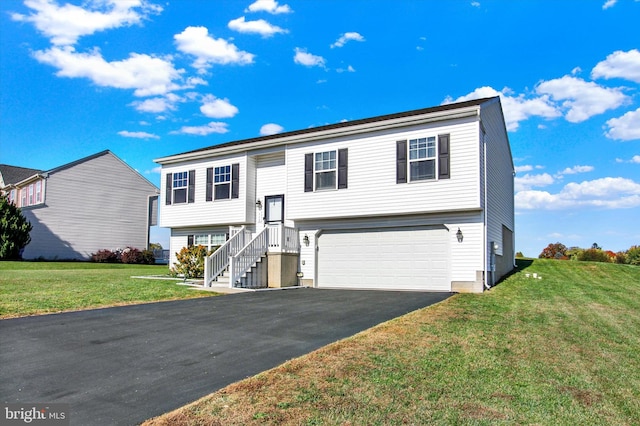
<point>593,254</point>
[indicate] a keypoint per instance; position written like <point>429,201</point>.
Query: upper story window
<point>180,184</point>
<point>422,159</point>
<point>325,170</point>
<point>13,196</point>
<point>223,182</point>
<point>180,187</point>
<point>30,195</point>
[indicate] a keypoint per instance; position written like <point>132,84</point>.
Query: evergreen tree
<point>14,230</point>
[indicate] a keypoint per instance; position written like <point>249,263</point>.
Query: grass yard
<point>30,288</point>
<point>563,350</point>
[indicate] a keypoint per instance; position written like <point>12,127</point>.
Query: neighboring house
<point>95,203</point>
<point>419,200</point>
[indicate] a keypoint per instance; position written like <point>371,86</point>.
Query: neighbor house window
<point>13,194</point>
<point>422,159</point>
<point>325,170</point>
<point>30,195</point>
<point>38,192</point>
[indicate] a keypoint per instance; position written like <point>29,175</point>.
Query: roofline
<point>349,128</point>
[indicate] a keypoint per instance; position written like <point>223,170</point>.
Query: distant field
<point>30,288</point>
<point>561,350</point>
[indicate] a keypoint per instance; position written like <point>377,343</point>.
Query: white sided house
<point>420,200</point>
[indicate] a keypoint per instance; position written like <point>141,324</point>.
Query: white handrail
<point>248,256</point>
<point>218,261</point>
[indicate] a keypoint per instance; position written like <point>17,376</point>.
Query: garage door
<point>398,258</point>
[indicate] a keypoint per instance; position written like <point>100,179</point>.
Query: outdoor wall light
<point>459,235</point>
<point>259,204</point>
<point>305,240</point>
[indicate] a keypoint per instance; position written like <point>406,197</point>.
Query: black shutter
<point>342,168</point>
<point>401,162</point>
<point>308,173</point>
<point>191,193</point>
<point>189,240</point>
<point>443,157</point>
<point>209,190</point>
<point>168,190</point>
<point>235,180</point>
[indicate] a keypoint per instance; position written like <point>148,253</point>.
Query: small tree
<point>594,255</point>
<point>14,230</point>
<point>554,251</point>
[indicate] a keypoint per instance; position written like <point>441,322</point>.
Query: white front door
<point>274,209</point>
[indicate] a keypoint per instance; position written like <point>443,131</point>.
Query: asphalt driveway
<point>123,365</point>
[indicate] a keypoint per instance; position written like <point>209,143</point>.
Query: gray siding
<point>499,207</point>
<point>99,203</point>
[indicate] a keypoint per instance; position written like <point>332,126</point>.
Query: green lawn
<point>29,288</point>
<point>561,350</point>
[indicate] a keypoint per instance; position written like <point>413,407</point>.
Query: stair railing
<point>217,262</point>
<point>242,261</point>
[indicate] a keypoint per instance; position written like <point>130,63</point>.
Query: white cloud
<point>196,41</point>
<point>271,129</point>
<point>348,69</point>
<point>64,25</point>
<point>515,108</point>
<point>635,159</point>
<point>609,3</point>
<point>259,26</point>
<point>475,3</point>
<point>344,38</point>
<point>619,64</point>
<point>213,107</point>
<point>138,135</point>
<point>575,169</point>
<point>626,127</point>
<point>159,104</point>
<point>302,57</point>
<point>608,193</point>
<point>147,75</point>
<point>581,99</point>
<point>213,127</point>
<point>528,181</point>
<point>269,6</point>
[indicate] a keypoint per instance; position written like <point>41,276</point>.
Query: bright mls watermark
<point>35,414</point>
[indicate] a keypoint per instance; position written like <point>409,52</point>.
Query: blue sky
<point>147,79</point>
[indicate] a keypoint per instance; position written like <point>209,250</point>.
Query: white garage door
<point>398,258</point>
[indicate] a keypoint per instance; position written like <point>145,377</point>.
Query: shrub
<point>104,256</point>
<point>148,258</point>
<point>190,262</point>
<point>131,255</point>
<point>594,255</point>
<point>633,255</point>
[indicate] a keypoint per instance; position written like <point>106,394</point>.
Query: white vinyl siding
<point>372,176</point>
<point>200,212</point>
<point>271,179</point>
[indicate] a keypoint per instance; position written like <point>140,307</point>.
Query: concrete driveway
<point>123,365</point>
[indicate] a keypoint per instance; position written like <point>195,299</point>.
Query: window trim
<point>441,160</point>
<point>223,172</point>
<point>340,170</point>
